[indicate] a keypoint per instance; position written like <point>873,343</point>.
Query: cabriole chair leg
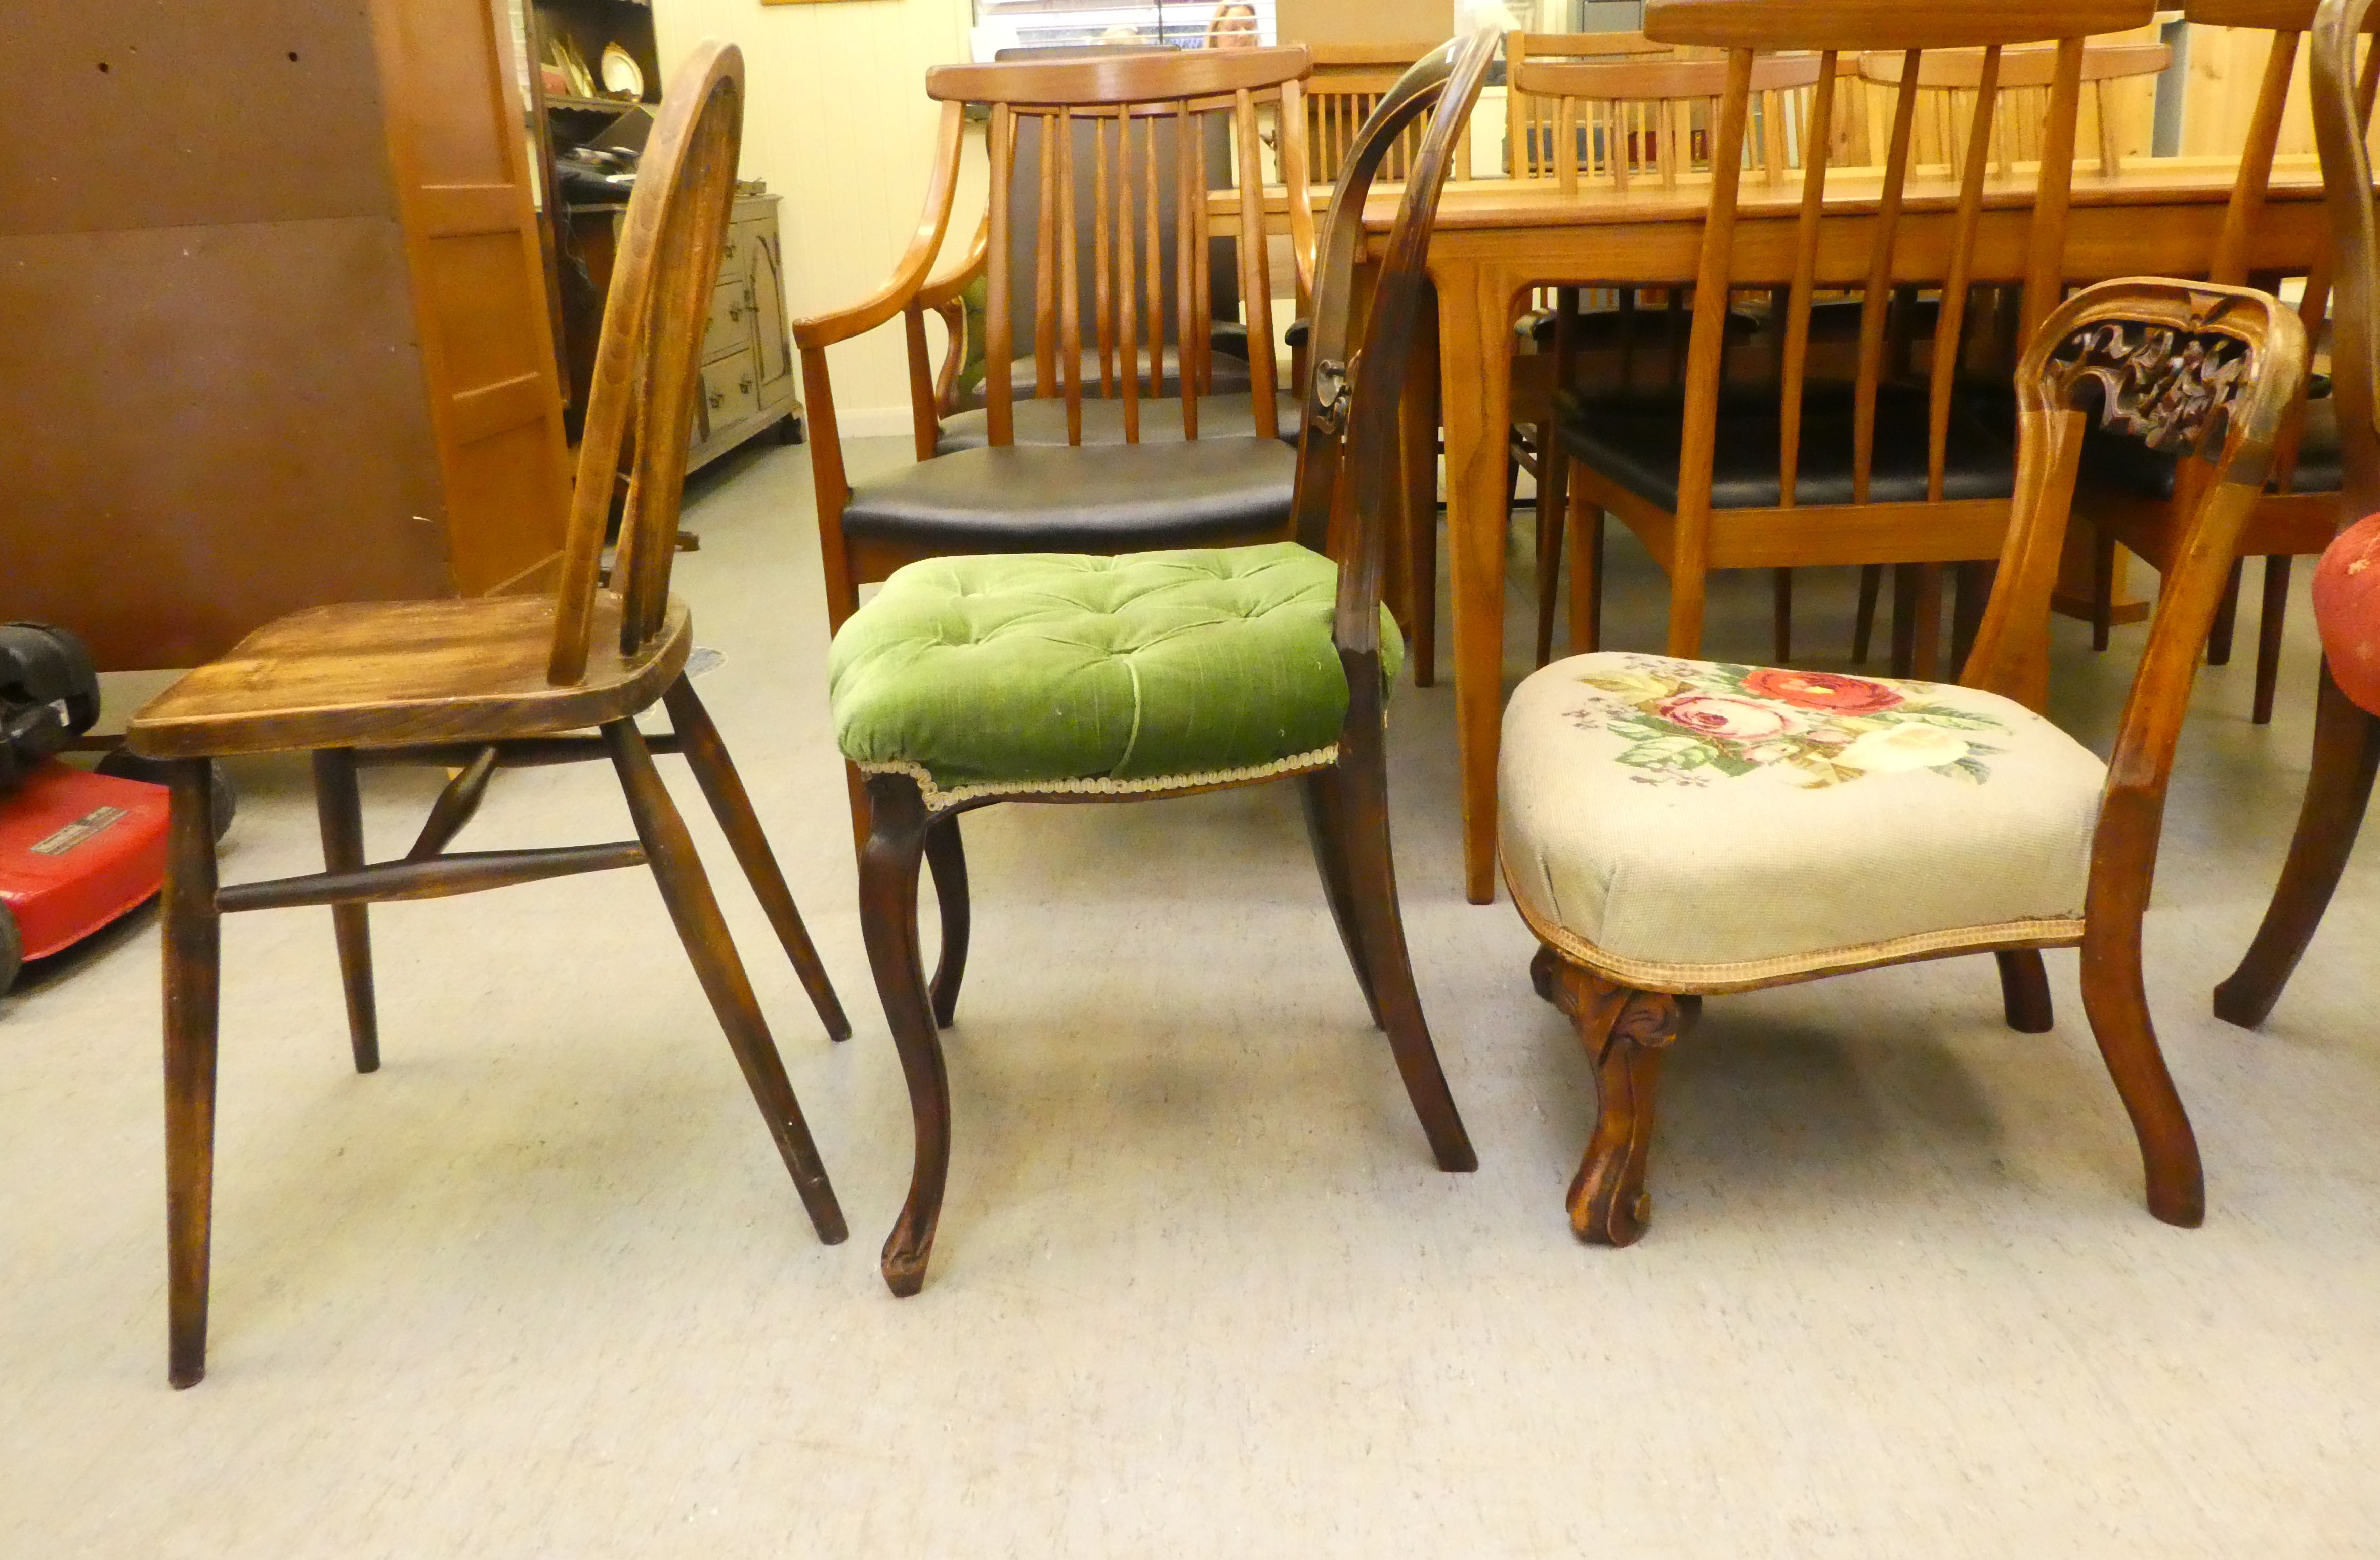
<point>888,920</point>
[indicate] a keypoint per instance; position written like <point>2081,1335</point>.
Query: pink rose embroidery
<point>1821,691</point>
<point>1716,715</point>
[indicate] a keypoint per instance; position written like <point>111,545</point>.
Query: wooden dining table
<point>1497,240</point>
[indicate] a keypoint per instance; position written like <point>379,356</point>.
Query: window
<point>1181,24</point>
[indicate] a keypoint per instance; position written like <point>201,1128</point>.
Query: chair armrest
<point>824,330</point>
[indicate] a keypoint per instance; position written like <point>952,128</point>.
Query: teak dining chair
<point>2345,731</point>
<point>1674,828</point>
<point>1348,83</point>
<point>1071,677</point>
<point>491,681</point>
<point>1949,80</point>
<point>1098,459</point>
<point>2142,499</point>
<point>1883,471</point>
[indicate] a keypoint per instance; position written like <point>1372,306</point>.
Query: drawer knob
<point>744,384</point>
<point>734,311</point>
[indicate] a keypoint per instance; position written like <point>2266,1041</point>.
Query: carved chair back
<point>1949,80</point>
<point>648,360</point>
<point>1347,467</point>
<point>1147,114</point>
<point>2342,113</point>
<point>2197,369</point>
<point>1615,120</point>
<point>1827,257</point>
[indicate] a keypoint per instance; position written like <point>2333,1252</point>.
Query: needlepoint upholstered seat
<point>1153,670</point>
<point>1697,822</point>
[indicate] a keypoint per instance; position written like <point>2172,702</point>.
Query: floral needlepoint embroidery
<point>1686,721</point>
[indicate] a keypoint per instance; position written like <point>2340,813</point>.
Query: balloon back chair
<point>1674,828</point>
<point>491,681</point>
<point>1065,676</point>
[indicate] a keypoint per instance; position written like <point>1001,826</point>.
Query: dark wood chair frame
<point>2346,737</point>
<point>1346,496</point>
<point>612,649</point>
<point>2151,358</point>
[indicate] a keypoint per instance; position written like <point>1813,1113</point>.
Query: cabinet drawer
<point>731,390</point>
<point>730,326</point>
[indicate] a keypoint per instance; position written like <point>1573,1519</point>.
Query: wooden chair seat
<point>404,673</point>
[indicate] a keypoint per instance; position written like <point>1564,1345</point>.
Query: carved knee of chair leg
<point>1626,1032</point>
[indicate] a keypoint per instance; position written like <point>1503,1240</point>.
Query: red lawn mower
<point>78,848</point>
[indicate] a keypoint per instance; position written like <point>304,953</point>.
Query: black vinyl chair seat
<point>1092,498</point>
<point>1635,443</point>
<point>2128,466</point>
<point>1043,422</point>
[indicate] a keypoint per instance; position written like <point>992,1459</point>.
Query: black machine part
<point>49,695</point>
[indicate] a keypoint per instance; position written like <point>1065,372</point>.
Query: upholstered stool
<point>1049,671</point>
<point>1697,826</point>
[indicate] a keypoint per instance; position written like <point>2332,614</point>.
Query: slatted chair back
<point>1947,81</point>
<point>2342,117</point>
<point>1615,121</point>
<point>1348,83</point>
<point>1825,256</point>
<point>1127,99</point>
<point>1348,468</point>
<point>648,360</point>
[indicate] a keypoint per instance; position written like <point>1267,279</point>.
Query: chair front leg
<point>706,754</point>
<point>193,975</point>
<point>669,849</point>
<point>888,920</point>
<point>1624,1032</point>
<point>946,858</point>
<point>2346,758</point>
<point>2116,1004</point>
<point>339,804</point>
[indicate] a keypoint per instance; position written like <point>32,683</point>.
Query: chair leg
<point>1624,1031</point>
<point>193,974</point>
<point>706,754</point>
<point>1871,586</point>
<point>2346,758</point>
<point>1361,808</point>
<point>1916,619</point>
<point>669,849</point>
<point>1970,591</point>
<point>888,920</point>
<point>1585,578</point>
<point>2117,1004</point>
<point>1780,589</point>
<point>2227,615</point>
<point>1325,829</point>
<point>339,806</point>
<point>1553,506</point>
<point>946,856</point>
<point>2103,589</point>
<point>2024,992</point>
<point>2270,619</point>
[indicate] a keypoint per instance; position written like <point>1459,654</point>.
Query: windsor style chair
<point>1072,677</point>
<point>1099,457</point>
<point>1673,828</point>
<point>1888,469</point>
<point>495,681</point>
<point>2142,499</point>
<point>2347,709</point>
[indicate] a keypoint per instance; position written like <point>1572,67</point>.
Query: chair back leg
<point>339,804</point>
<point>1327,828</point>
<point>193,972</point>
<point>946,858</point>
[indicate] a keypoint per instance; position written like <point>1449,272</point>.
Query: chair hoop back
<point>1347,463</point>
<point>647,361</point>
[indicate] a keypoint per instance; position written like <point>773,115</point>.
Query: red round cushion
<point>2347,610</point>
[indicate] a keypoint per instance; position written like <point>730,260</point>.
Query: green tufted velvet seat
<point>1057,671</point>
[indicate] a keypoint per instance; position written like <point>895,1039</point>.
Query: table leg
<point>1474,318</point>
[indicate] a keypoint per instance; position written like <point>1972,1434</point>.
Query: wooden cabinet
<point>748,360</point>
<point>276,331</point>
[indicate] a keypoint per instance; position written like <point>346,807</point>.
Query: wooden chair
<point>1618,124</point>
<point>2142,499</point>
<point>1674,828</point>
<point>1098,458</point>
<point>1949,80</point>
<point>2346,734</point>
<point>968,682</point>
<point>491,681</point>
<point>1887,469</point>
<point>1348,83</point>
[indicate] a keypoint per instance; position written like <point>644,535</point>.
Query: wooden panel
<point>211,427</point>
<point>131,114</point>
<point>1360,21</point>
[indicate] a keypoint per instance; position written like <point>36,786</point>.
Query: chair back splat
<point>1347,454</point>
<point>1147,114</point>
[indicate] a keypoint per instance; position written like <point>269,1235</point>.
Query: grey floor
<point>540,1287</point>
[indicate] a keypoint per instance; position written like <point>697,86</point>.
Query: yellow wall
<point>838,122</point>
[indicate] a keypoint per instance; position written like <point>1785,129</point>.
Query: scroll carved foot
<point>1625,1031</point>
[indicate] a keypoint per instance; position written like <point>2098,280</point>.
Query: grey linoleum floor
<point>540,1287</point>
